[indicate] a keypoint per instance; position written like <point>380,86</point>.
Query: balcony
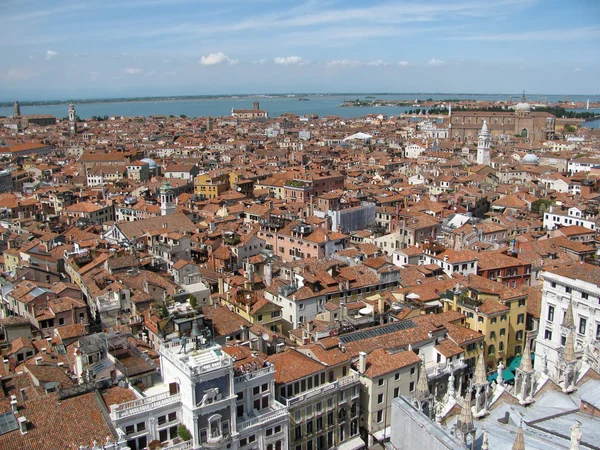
<point>443,369</point>
<point>244,378</point>
<point>278,410</point>
<point>187,445</point>
<point>143,405</point>
<point>324,389</point>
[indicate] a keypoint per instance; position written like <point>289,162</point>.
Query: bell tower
<point>16,109</point>
<point>483,146</point>
<point>72,120</point>
<point>167,199</point>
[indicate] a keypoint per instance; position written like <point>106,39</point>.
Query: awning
<point>433,303</point>
<point>507,375</point>
<point>355,443</point>
<point>383,434</point>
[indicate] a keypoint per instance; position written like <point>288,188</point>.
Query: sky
<point>124,48</point>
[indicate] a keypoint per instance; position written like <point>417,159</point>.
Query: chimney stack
<point>38,361</point>
<point>362,362</point>
<point>268,274</point>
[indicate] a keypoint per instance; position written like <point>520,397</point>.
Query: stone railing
<point>142,405</point>
<point>323,389</point>
<point>181,446</point>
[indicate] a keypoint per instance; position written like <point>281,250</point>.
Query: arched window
<point>278,445</point>
<point>491,349</point>
<point>524,133</point>
<point>214,427</point>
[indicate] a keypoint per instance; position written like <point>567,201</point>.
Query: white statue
<point>545,362</point>
<point>500,380</point>
<point>576,435</point>
<point>485,444</point>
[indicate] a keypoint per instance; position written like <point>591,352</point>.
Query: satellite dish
<point>265,337</point>
<point>239,189</point>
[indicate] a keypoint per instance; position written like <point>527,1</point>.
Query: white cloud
<point>577,69</point>
<point>344,62</point>
<point>259,61</point>
<point>377,63</point>
<point>132,71</point>
<point>404,63</point>
<point>436,62</point>
<point>355,63</point>
<point>215,59</point>
<point>51,54</point>
<point>288,60</point>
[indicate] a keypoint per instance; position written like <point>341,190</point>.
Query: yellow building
<point>255,308</point>
<point>496,311</point>
<point>211,186</point>
<point>12,258</point>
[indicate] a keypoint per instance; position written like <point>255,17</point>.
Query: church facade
<point>535,126</point>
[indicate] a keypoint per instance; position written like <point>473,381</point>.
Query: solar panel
<point>374,332</point>
<point>8,422</point>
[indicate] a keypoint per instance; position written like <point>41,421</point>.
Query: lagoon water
<point>323,105</point>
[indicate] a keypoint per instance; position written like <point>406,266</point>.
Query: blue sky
<point>104,48</point>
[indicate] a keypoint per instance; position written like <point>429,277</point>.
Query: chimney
<point>6,367</point>
<point>49,343</point>
<point>221,285</point>
<point>23,424</point>
<point>362,362</point>
<point>14,404</point>
<point>39,361</point>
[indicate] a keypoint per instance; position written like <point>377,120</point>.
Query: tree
<point>183,116</point>
<point>164,312</point>
<point>570,129</point>
<point>541,205</point>
<point>184,433</point>
<point>193,302</point>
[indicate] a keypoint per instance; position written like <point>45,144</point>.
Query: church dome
<point>523,107</point>
<point>151,163</point>
<point>530,158</point>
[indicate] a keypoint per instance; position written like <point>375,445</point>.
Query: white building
<point>573,216</point>
<point>222,408</point>
<point>578,287</point>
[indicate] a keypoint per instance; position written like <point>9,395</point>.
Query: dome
<point>150,162</point>
<point>523,107</point>
<point>530,158</point>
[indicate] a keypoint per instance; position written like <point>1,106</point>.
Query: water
<point>323,105</point>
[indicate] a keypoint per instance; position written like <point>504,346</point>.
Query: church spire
<point>570,348</point>
<point>520,440</point>
<point>480,373</point>
<point>525,365</point>
<point>422,391</point>
<point>569,321</point>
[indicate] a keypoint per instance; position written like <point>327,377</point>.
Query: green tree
<point>164,312</point>
<point>184,433</point>
<point>183,116</point>
<point>570,129</point>
<point>541,205</point>
<point>193,302</point>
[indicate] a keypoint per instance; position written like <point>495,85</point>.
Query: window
<point>520,318</point>
<point>141,426</point>
<point>309,427</point>
<point>380,399</point>
<point>480,319</point>
<point>256,390</point>
<point>582,324</point>
<point>264,387</point>
<point>522,302</point>
<point>550,313</point>
<point>412,370</point>
<point>379,416</point>
<point>548,335</point>
<point>584,295</point>
<point>396,392</point>
<point>411,387</point>
<point>502,331</point>
<point>553,284</point>
<point>330,419</point>
<point>381,381</point>
<point>501,346</point>
<point>519,335</point>
<point>491,349</point>
<point>567,289</point>
<point>493,320</point>
<point>298,433</point>
<point>397,376</point>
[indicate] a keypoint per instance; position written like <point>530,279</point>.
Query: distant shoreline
<point>245,96</point>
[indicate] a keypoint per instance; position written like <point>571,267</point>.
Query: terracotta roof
<point>292,365</point>
<point>380,362</point>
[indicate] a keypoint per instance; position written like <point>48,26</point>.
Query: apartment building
<point>495,310</point>
<point>323,401</point>
<point>570,299</point>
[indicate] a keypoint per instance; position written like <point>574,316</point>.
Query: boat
<point>303,99</point>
